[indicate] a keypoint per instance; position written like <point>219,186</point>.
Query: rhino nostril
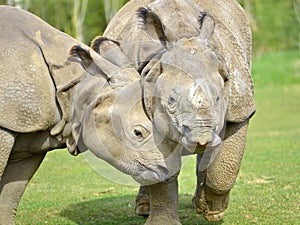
<point>186,130</point>
<point>164,171</point>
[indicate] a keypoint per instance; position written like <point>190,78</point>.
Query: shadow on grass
<point>120,210</point>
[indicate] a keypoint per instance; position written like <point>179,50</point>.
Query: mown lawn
<point>65,190</point>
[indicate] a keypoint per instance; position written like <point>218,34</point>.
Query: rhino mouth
<point>203,144</point>
<point>147,175</point>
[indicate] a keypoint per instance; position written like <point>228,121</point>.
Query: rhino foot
<point>163,222</point>
<point>202,208</point>
<point>211,205</point>
<point>142,206</point>
<point>142,202</point>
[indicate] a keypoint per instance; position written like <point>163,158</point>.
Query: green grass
<point>65,190</point>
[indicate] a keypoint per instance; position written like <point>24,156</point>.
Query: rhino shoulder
<point>27,90</point>
<point>27,93</point>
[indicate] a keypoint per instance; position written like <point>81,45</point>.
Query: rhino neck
<point>65,89</point>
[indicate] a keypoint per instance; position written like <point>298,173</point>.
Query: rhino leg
<point>7,141</point>
<point>142,202</point>
<point>164,203</point>
<point>16,176</point>
<point>215,183</point>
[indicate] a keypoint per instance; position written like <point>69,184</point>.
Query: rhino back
<point>182,17</point>
<point>232,37</point>
<point>31,51</point>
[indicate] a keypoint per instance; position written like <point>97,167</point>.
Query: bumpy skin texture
<point>33,63</point>
<point>215,183</point>
<point>164,203</point>
<point>231,41</point>
<point>50,102</point>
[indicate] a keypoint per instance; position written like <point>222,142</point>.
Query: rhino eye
<point>172,100</point>
<point>140,132</point>
<point>172,103</point>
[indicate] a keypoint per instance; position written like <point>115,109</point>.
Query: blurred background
<point>275,23</point>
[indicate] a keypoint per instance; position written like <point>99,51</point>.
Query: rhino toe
<point>213,216</point>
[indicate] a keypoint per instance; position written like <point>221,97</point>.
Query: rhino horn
<point>207,26</point>
<point>93,63</point>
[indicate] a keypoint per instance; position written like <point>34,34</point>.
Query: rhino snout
<point>152,175</point>
<point>204,141</point>
<point>215,141</point>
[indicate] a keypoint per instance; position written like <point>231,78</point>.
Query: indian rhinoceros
<point>50,102</point>
<point>194,57</point>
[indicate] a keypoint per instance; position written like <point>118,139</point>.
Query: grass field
<point>65,190</point>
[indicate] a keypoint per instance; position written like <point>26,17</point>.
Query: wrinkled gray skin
<point>195,60</point>
<point>48,102</point>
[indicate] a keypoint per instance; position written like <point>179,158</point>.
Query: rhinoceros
<point>194,57</point>
<point>50,102</point>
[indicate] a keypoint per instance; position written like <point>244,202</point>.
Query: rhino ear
<point>207,26</point>
<point>93,63</point>
<point>81,55</point>
<point>110,50</point>
<point>152,24</point>
<point>102,44</point>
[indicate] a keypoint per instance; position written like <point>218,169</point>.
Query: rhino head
<point>184,85</point>
<point>110,121</point>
